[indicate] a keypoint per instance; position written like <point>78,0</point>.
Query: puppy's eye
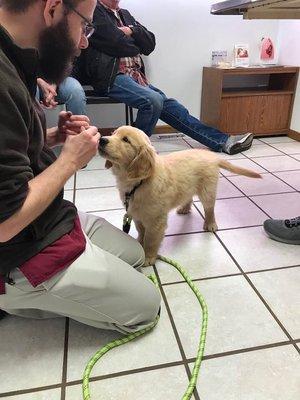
<point>125,139</point>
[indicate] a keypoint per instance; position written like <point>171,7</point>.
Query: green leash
<point>193,381</point>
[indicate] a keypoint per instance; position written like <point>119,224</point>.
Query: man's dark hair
<point>19,6</point>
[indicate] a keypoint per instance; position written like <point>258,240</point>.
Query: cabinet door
<point>257,114</point>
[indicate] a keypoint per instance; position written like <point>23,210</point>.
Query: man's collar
<point>24,60</point>
<point>108,8</point>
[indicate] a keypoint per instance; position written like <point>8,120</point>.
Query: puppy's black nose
<point>103,142</point>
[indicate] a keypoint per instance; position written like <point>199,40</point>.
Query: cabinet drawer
<point>257,114</point>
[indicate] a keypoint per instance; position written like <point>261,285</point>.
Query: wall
<point>289,54</point>
<point>186,34</point>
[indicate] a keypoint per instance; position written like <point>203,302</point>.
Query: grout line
<point>32,390</point>
<point>177,337</point>
<point>231,275</point>
<point>246,350</point>
<point>259,295</point>
<point>273,174</point>
<point>65,360</point>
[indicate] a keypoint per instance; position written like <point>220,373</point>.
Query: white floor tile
<point>98,199</point>
<point>261,151</point>
<point>95,178</point>
<point>232,157</point>
<point>277,139</point>
<point>226,189</point>
<point>68,195</point>
<point>279,206</point>
<point>70,183</point>
<point>115,217</point>
<point>291,177</point>
<point>237,318</point>
<point>170,145</point>
<point>200,254</point>
<point>235,213</point>
<point>244,163</point>
<point>254,250</point>
<point>195,144</point>
<point>96,162</point>
<point>270,374</point>
<point>267,185</point>
<point>53,394</point>
<point>297,156</point>
<point>162,384</point>
<point>31,353</point>
<point>278,163</point>
<point>84,341</point>
<point>281,290</point>
<point>288,148</point>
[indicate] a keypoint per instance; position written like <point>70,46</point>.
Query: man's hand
<point>79,149</point>
<point>49,93</point>
<point>126,30</point>
<point>68,124</point>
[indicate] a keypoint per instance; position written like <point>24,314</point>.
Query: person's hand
<point>68,124</point>
<point>126,30</point>
<point>79,149</point>
<point>48,93</point>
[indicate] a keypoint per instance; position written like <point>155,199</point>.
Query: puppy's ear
<point>142,165</point>
<point>108,164</point>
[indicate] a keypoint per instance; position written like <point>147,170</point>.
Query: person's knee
<point>138,256</point>
<point>156,102</point>
<point>146,308</point>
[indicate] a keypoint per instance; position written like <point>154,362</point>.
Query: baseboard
<point>160,129</point>
<point>294,135</point>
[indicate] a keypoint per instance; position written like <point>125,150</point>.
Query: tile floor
<point>251,285</point>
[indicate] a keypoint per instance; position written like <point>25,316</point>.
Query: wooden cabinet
<point>258,100</point>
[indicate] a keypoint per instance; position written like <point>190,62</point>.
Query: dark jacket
<point>98,65</point>
<point>23,155</point>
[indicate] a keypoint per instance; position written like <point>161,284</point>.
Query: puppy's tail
<point>238,170</point>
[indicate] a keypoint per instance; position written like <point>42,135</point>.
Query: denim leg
<point>177,116</point>
<point>148,102</point>
<point>71,93</point>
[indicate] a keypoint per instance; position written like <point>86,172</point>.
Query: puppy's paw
<point>149,261</point>
<point>183,210</point>
<point>210,226</point>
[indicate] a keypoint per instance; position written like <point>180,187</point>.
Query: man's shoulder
<point>10,80</point>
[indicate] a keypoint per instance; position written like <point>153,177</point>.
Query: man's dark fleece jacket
<point>98,65</point>
<point>23,155</point>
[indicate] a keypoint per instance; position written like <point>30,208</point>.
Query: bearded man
<point>55,261</point>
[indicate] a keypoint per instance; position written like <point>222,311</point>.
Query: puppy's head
<point>129,150</point>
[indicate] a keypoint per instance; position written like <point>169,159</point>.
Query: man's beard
<point>56,52</point>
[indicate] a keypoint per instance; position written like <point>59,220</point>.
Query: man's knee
<point>156,101</point>
<point>146,309</point>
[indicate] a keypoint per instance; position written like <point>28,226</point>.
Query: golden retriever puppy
<point>152,185</point>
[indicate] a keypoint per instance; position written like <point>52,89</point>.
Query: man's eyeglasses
<point>89,27</point>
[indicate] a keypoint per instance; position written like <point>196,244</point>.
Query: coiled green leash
<point>193,381</point>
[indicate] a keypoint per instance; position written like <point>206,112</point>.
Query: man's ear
<point>108,164</point>
<point>142,165</point>
<point>53,11</point>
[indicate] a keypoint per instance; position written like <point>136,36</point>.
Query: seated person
<point>113,66</point>
<point>69,92</point>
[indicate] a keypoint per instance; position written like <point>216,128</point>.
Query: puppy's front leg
<point>141,231</point>
<point>154,234</point>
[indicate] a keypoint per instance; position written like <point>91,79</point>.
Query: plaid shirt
<point>131,66</point>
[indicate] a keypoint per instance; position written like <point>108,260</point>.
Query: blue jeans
<point>71,93</point>
<point>153,104</point>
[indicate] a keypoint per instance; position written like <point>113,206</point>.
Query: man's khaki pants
<point>102,288</point>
